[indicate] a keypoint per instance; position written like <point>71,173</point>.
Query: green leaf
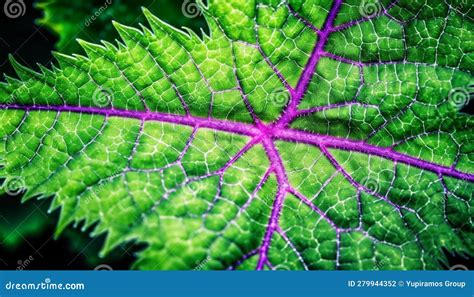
<point>296,135</point>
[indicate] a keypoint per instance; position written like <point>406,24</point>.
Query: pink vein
<point>288,115</point>
<point>298,94</point>
<point>261,132</point>
<point>283,186</point>
<point>186,120</point>
<point>363,147</point>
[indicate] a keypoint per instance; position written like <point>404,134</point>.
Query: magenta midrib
<point>283,134</point>
<point>290,112</point>
<point>308,72</point>
<point>186,120</point>
<point>283,185</point>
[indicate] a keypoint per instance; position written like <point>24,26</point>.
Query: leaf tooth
<point>152,19</point>
<point>145,30</point>
<point>60,227</point>
<point>49,75</point>
<point>83,62</point>
<point>202,6</point>
<point>207,16</point>
<point>87,224</point>
<point>121,46</point>
<point>12,82</point>
<point>93,50</point>
<point>112,240</point>
<point>23,72</point>
<point>65,218</point>
<point>55,69</point>
<point>110,46</point>
<point>6,92</point>
<point>4,89</point>
<point>128,34</point>
<point>196,38</point>
<point>214,29</point>
<point>45,71</point>
<point>77,61</point>
<point>64,59</point>
<point>5,97</point>
<point>158,25</point>
<point>211,21</point>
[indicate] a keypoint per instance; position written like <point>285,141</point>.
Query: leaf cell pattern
<point>296,135</point>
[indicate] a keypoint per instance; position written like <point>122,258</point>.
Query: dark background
<point>36,249</point>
